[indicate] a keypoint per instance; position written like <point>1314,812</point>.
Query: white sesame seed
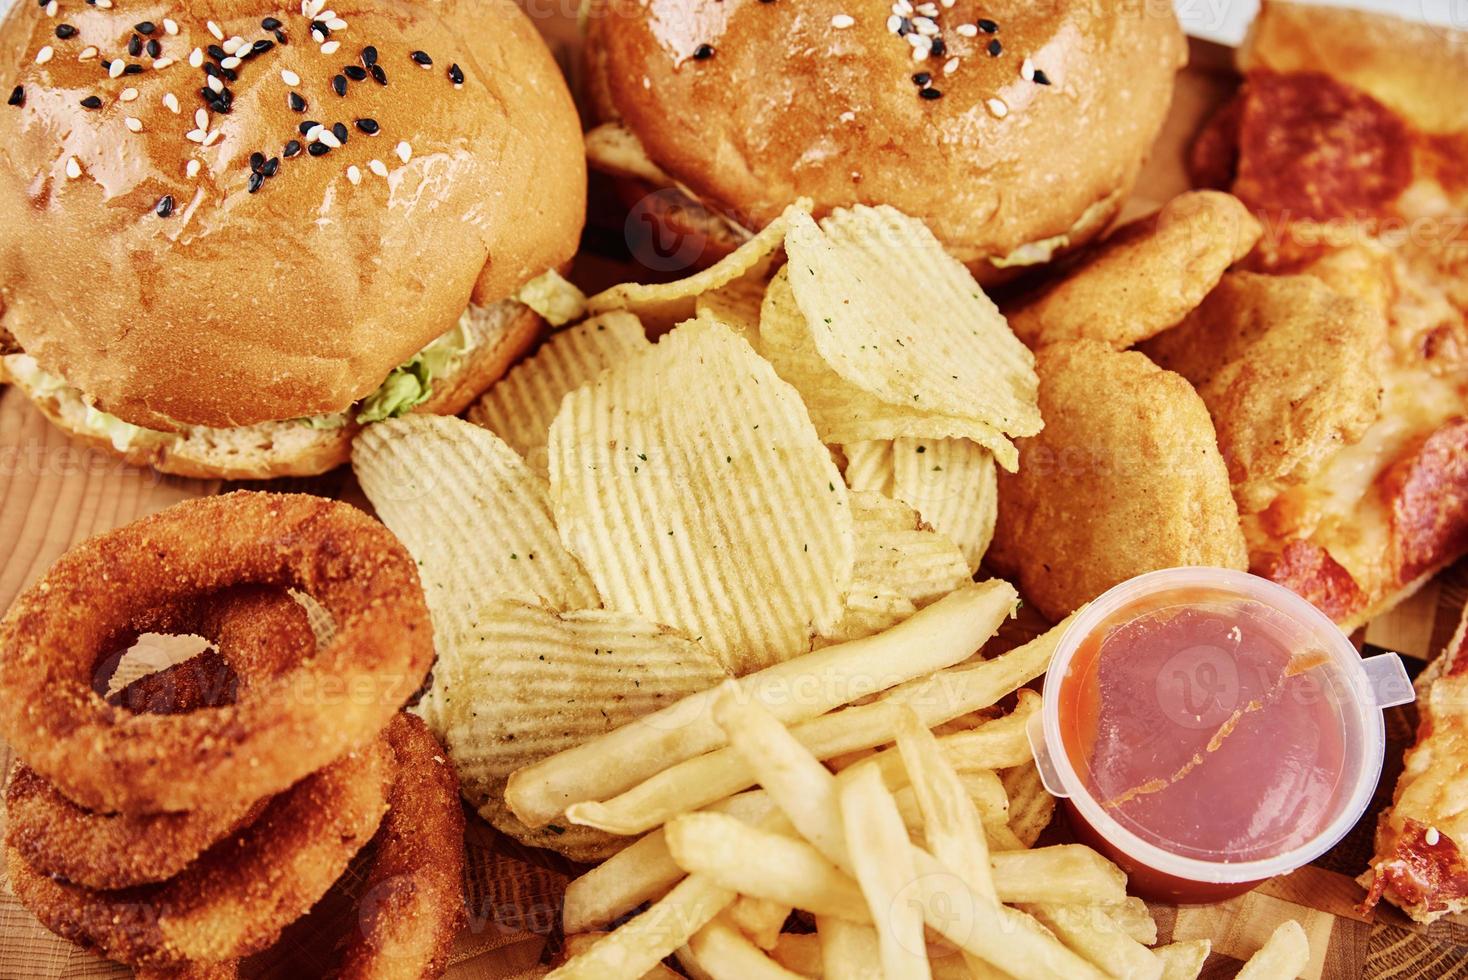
<point>313,7</point>
<point>45,54</point>
<point>902,8</point>
<point>215,85</point>
<point>331,47</point>
<point>842,20</point>
<point>326,14</point>
<point>51,8</point>
<point>118,67</point>
<point>405,151</point>
<point>916,40</point>
<point>193,168</point>
<point>201,119</point>
<point>950,66</point>
<point>1027,70</point>
<point>336,24</point>
<point>196,136</point>
<point>947,3</point>
<point>329,138</point>
<point>128,94</point>
<point>162,63</point>
<point>232,45</point>
<point>998,107</point>
<point>1432,837</point>
<point>378,167</point>
<point>171,102</point>
<point>229,64</point>
<point>133,123</point>
<point>290,78</point>
<point>354,174</point>
<point>921,53</point>
<point>170,27</point>
<point>214,29</point>
<point>848,116</point>
<point>196,58</point>
<point>894,24</point>
<point>73,169</point>
<point>314,133</point>
<point>318,37</point>
<point>104,4</point>
<point>214,137</point>
<point>88,53</point>
<point>967,30</point>
<point>926,26</point>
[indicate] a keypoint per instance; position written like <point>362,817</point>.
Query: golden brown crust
<point>1146,277</point>
<point>1125,478</point>
<point>789,106</point>
<point>295,301</point>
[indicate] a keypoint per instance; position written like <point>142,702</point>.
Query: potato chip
<point>895,315</point>
<point>674,301</point>
<point>842,412</point>
<point>614,148</point>
<point>953,485</point>
<point>527,682</point>
<point>869,466</point>
<point>1031,806</point>
<point>690,482</point>
<point>521,405</point>
<point>557,300</point>
<point>737,304</point>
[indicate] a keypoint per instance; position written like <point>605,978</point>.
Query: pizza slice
<point>1419,863</point>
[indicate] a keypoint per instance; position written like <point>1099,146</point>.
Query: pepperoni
<point>1309,570</point>
<point>1428,491</point>
<point>1419,874</point>
<point>1314,149</point>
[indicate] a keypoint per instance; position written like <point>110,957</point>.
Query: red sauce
<point>1197,720</point>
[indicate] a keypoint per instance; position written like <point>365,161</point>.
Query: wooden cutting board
<point>54,494</point>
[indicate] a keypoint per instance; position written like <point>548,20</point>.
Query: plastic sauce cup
<point>1209,730</point>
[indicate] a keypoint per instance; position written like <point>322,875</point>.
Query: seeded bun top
<point>1024,121</point>
<point>230,269</point>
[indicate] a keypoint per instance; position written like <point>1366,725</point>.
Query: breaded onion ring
<point>260,633</point>
<point>238,896</point>
<point>279,731</point>
<point>413,903</point>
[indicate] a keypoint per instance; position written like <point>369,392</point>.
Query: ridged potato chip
<point>552,296</point>
<point>898,317</point>
<point>520,407</point>
<point>869,466</point>
<point>842,412</point>
<point>953,485</point>
<point>901,566</point>
<point>527,682</point>
<point>674,301</point>
<point>692,485</point>
<point>737,305</point>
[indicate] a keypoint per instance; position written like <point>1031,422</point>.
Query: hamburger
<point>1015,130</point>
<point>231,236</point>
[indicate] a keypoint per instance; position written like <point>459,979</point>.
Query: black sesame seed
<point>270,24</point>
<point>293,149</point>
<point>216,52</point>
<point>339,130</point>
<point>90,102</point>
<point>355,72</point>
<point>339,85</point>
<point>369,126</point>
<point>930,93</point>
<point>296,102</point>
<point>703,52</point>
<point>133,70</point>
<point>307,126</point>
<point>766,1</point>
<point>261,46</point>
<point>146,27</point>
<point>421,58</point>
<point>317,25</point>
<point>135,46</point>
<point>319,149</point>
<point>17,95</point>
<point>939,47</point>
<point>988,26</point>
<point>369,56</point>
<point>106,65</point>
<point>210,68</point>
<point>154,48</point>
<point>257,161</point>
<point>272,167</point>
<point>995,48</point>
<point>1041,78</point>
<point>378,75</point>
<point>280,38</point>
<point>922,78</point>
<point>65,31</point>
<point>257,180</point>
<point>42,3</point>
<point>230,74</point>
<point>165,206</point>
<point>456,74</point>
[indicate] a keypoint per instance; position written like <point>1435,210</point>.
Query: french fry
<point>581,942</point>
<point>760,919</point>
<point>799,952</point>
<point>641,944</point>
<point>806,793</point>
<point>1088,930</point>
<point>939,636</point>
<point>1183,961</point>
<point>881,857</point>
<point>1066,874</point>
<point>1135,919</point>
<point>1031,807</point>
<point>848,950</point>
<point>951,823</point>
<point>1283,957</point>
<point>946,694</point>
<point>724,954</point>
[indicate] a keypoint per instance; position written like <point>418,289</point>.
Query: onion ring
<point>413,902</point>
<point>260,633</point>
<point>238,896</point>
<point>279,731</point>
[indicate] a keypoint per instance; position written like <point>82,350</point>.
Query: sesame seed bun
<point>280,286</point>
<point>750,105</point>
